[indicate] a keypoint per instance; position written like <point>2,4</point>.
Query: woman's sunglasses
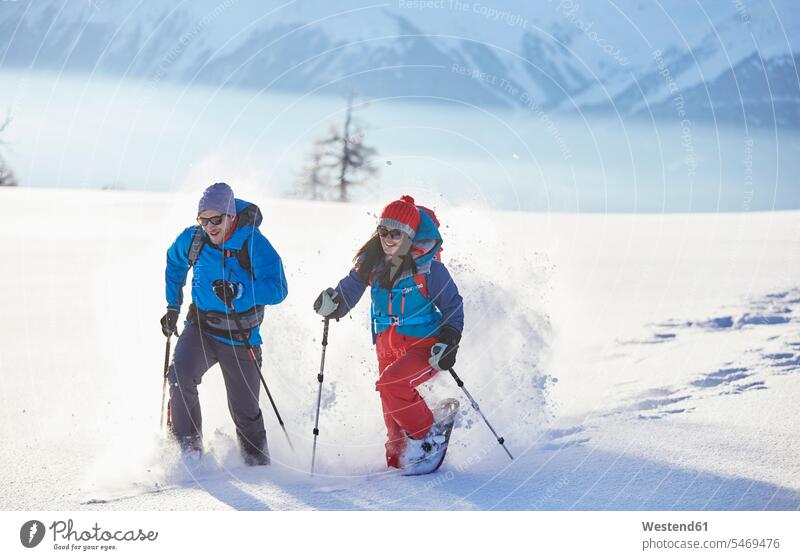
<point>215,220</point>
<point>395,234</point>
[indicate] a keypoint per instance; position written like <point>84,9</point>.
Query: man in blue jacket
<point>234,265</point>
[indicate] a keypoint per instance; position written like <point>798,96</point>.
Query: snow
<point>630,361</point>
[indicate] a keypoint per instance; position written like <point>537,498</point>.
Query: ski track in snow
<point>733,378</point>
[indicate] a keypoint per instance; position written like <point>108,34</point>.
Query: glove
<point>169,323</point>
<point>227,291</point>
<point>443,353</point>
<point>327,303</point>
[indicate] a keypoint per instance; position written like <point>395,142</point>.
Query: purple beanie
<point>219,197</point>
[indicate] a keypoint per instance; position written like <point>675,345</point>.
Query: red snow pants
<point>403,365</point>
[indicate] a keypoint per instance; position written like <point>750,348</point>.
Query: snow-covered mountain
<point>718,60</point>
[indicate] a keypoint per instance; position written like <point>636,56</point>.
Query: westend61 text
<point>693,526</point>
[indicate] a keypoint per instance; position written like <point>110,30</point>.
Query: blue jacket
<point>442,306</point>
<point>266,287</point>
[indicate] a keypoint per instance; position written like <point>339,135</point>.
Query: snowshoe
<point>426,455</point>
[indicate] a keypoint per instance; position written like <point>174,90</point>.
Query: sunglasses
<point>395,234</point>
<point>215,220</point>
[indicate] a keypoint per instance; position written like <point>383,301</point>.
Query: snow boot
<point>256,459</point>
<point>191,447</point>
<point>426,455</point>
<point>255,452</point>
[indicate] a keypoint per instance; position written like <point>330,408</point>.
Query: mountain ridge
<point>727,60</point>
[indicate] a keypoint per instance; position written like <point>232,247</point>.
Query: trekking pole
<point>460,383</point>
<point>252,355</point>
<point>320,376</point>
<point>164,383</point>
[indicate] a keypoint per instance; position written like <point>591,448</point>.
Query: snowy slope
<point>595,56</point>
<point>631,362</point>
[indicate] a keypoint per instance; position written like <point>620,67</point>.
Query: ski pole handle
<point>456,377</point>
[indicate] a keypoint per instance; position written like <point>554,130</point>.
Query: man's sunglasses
<point>395,234</point>
<point>215,220</point>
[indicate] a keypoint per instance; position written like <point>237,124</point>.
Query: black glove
<point>443,353</point>
<point>227,291</point>
<point>327,303</point>
<point>169,323</point>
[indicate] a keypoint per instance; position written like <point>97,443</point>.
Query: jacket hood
<point>427,242</point>
<point>248,213</point>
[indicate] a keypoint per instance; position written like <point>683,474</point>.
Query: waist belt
<point>219,323</point>
<point>389,320</point>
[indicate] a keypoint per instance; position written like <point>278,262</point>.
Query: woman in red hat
<point>417,319</point>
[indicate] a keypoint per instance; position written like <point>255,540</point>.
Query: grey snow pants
<point>194,354</point>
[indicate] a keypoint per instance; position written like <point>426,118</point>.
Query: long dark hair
<point>371,254</point>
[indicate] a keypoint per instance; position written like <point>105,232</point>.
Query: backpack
<point>432,215</point>
<point>199,241</point>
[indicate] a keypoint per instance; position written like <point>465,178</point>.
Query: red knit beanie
<point>401,214</point>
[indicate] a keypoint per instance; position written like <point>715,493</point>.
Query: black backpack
<point>199,241</point>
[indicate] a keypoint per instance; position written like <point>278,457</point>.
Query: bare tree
<point>314,181</point>
<point>7,178</point>
<point>338,162</point>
